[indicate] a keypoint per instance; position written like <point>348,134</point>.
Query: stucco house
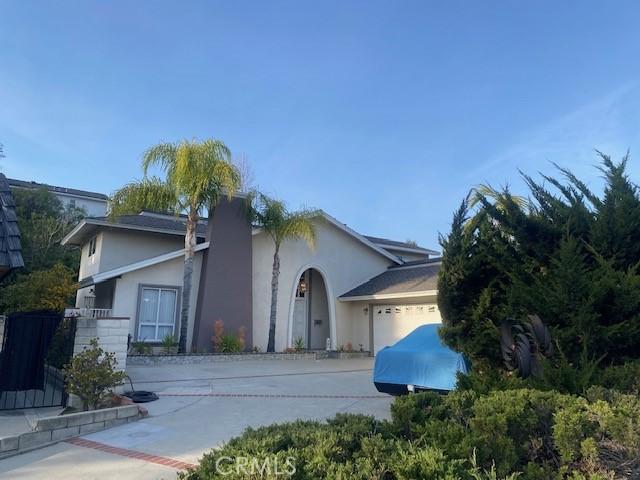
<point>350,289</point>
<point>93,203</point>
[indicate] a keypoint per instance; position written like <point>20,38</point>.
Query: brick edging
<point>124,452</point>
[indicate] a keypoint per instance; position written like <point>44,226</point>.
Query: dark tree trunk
<point>189,246</point>
<point>271,345</point>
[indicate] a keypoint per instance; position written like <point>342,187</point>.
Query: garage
<point>393,322</point>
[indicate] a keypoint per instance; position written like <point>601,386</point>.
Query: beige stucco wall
<point>89,265</point>
<point>92,207</point>
<point>116,248</point>
<point>170,274</point>
<point>123,247</point>
<point>345,263</point>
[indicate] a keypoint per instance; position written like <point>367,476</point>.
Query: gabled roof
<point>54,189</point>
<point>10,247</point>
<point>132,267</point>
<point>352,233</point>
<point>401,281</point>
<point>361,238</point>
<point>147,222</point>
<point>395,245</point>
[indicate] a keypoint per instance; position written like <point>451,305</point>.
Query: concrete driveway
<point>202,406</point>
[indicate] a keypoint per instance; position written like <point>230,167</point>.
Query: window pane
<point>164,331</point>
<point>149,305</point>
<point>167,307</point>
<point>147,333</point>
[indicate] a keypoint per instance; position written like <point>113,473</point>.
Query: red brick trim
<point>123,452</point>
<point>270,395</point>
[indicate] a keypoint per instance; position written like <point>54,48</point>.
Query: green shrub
<point>229,344</point>
<point>560,251</point>
<point>91,374</point>
<point>51,289</point>
<point>141,348</point>
<point>519,433</point>
<point>624,378</point>
<point>169,344</point>
<point>298,344</point>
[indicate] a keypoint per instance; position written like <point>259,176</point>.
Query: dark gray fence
<point>35,348</point>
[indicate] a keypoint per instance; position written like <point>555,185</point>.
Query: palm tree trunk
<point>271,345</point>
<point>189,246</point>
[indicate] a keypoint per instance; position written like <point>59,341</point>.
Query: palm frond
<point>273,216</point>
<point>162,155</point>
<point>485,191</point>
<point>150,193</point>
<point>200,171</point>
<point>299,225</point>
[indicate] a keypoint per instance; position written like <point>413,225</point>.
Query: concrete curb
<point>50,430</point>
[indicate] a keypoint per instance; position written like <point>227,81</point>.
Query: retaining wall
<point>49,430</point>
<point>215,357</point>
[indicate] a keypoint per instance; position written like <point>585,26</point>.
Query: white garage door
<point>393,322</point>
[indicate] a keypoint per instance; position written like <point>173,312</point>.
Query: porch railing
<point>88,312</point>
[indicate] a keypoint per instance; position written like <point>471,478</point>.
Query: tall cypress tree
<point>565,254</point>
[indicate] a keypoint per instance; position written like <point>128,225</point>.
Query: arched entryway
<point>311,316</point>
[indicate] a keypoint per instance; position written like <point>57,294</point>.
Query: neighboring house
<point>349,289</point>
<point>93,203</point>
<point>10,248</point>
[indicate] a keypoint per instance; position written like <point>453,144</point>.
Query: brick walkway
<point>271,395</point>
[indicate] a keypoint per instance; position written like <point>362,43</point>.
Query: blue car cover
<point>419,359</point>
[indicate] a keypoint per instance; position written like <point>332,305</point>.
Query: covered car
<point>419,361</point>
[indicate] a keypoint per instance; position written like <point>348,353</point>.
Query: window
<point>92,246</point>
<point>157,313</point>
<point>72,203</point>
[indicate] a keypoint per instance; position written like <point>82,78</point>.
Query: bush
<point>226,342</point>
<point>229,344</point>
<point>141,348</point>
<point>567,255</point>
<point>519,433</point>
<point>169,344</point>
<point>51,289</point>
<point>91,375</point>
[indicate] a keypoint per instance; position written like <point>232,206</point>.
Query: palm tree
<point>273,217</point>
<point>197,175</point>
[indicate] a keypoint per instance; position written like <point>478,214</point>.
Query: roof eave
<point>92,221</point>
<point>389,296</point>
<point>359,237</point>
<point>132,267</point>
<point>396,248</point>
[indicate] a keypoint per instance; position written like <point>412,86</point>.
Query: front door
<point>300,311</point>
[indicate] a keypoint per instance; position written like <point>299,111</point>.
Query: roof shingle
<point>54,189</point>
<point>399,280</point>
<point>10,248</point>
<point>155,221</point>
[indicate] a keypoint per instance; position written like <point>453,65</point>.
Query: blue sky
<point>382,113</point>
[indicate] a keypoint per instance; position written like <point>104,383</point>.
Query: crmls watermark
<point>256,467</point>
